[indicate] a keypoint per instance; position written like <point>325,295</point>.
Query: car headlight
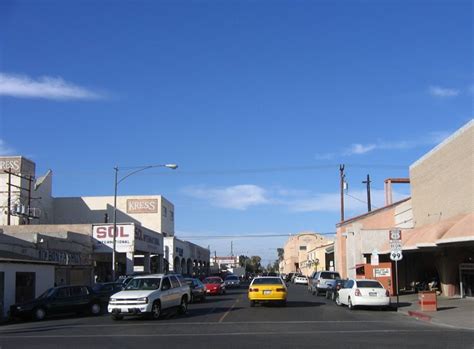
<point>18,308</point>
<point>142,300</point>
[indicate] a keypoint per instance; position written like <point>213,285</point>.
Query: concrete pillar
<point>129,263</point>
<point>146,262</point>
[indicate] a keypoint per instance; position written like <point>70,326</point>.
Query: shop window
<point>25,287</point>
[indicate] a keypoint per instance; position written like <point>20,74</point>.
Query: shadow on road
<point>303,304</point>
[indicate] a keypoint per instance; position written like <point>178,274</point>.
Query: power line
<point>250,236</point>
<point>360,200</point>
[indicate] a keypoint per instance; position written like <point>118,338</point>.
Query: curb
<point>419,315</point>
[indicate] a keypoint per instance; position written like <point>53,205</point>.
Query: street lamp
<point>117,182</point>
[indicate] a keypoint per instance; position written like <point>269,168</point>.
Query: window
<point>267,281</point>
<point>174,282</point>
<point>164,210</point>
<point>349,284</point>
<point>172,215</point>
<point>369,284</point>
<point>302,248</point>
<point>331,276</point>
<point>63,292</point>
<point>77,291</point>
<point>166,285</point>
<point>25,287</point>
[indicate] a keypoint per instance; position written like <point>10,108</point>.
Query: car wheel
<point>316,292</point>
<point>327,295</point>
<point>333,296</point>
<point>338,300</point>
<point>155,311</point>
<point>39,314</point>
<point>183,307</point>
<point>193,299</point>
<point>252,304</point>
<point>95,309</point>
<point>117,317</point>
<point>349,304</point>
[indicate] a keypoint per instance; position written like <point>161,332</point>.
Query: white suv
<point>321,281</point>
<point>150,295</point>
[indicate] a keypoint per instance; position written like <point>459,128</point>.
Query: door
<point>79,300</point>
<point>176,290</point>
<point>60,302</point>
<point>25,287</point>
<point>344,292</point>
<point>2,294</point>
<point>166,293</point>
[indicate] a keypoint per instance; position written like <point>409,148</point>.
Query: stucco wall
<point>44,279</point>
<point>442,180</point>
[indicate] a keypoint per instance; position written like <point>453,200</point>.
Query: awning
<point>455,229</point>
<point>462,231</point>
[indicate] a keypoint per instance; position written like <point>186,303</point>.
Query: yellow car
<point>267,289</point>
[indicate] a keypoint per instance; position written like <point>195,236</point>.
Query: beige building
<point>317,259</point>
<point>296,250</point>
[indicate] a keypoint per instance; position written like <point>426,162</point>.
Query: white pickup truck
<point>149,295</point>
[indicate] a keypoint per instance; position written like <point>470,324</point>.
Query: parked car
<point>57,300</point>
<point>106,289</point>
<point>301,280</point>
<point>198,290</point>
<point>332,291</point>
<point>232,281</point>
<point>214,285</point>
<point>267,289</point>
<point>321,281</point>
<point>363,292</point>
<point>149,295</point>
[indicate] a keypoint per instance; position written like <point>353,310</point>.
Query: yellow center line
<point>230,309</point>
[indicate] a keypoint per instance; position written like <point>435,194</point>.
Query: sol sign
<point>104,238</point>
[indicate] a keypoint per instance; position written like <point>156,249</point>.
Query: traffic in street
<point>229,320</point>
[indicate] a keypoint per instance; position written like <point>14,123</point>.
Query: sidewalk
<point>452,312</point>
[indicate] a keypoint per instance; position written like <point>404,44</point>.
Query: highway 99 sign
<point>396,255</point>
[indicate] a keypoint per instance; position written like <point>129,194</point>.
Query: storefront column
<point>146,262</point>
<point>129,263</point>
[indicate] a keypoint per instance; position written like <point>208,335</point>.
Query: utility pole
<point>369,206</point>
<point>9,209</point>
<point>342,175</point>
<point>231,248</point>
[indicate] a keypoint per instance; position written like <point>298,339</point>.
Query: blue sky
<point>257,101</point>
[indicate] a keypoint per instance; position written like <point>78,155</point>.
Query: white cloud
<point>443,92</point>
<point>239,197</point>
<point>46,87</point>
<point>358,149</point>
<point>4,148</point>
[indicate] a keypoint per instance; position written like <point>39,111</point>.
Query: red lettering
<point>101,232</point>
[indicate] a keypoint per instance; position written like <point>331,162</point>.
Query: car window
<point>348,284</point>
<point>78,291</point>
<point>232,278</point>
<point>166,284</point>
<point>181,279</point>
<point>331,276</point>
<point>267,281</point>
<point>369,284</point>
<point>174,282</point>
<point>63,292</point>
<point>143,284</point>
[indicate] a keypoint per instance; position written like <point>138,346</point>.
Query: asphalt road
<point>227,321</point>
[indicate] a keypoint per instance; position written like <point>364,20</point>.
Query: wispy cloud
<point>431,138</point>
<point>5,149</point>
<point>239,197</point>
<point>443,92</point>
<point>46,87</point>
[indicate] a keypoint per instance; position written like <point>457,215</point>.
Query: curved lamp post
<point>117,182</point>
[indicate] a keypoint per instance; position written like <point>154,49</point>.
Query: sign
<point>396,246</point>
<point>148,241</point>
<point>142,206</point>
<point>395,235</point>
<point>396,255</point>
<point>18,165</point>
<point>104,238</point>
<point>382,272</point>
<point>374,258</point>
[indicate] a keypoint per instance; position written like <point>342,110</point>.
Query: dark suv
<point>57,300</point>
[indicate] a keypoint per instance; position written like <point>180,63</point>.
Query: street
<point>228,321</point>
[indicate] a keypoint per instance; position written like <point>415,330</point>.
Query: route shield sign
<point>396,255</point>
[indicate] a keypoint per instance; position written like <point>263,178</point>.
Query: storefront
<point>138,250</point>
<point>186,258</point>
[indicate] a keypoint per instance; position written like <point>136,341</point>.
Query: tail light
<point>253,290</point>
<point>280,290</point>
<point>357,292</point>
<point>387,293</point>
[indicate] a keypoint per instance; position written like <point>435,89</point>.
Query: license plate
<point>373,294</point>
<point>266,292</point>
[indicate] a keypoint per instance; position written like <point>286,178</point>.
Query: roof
<point>12,257</point>
<point>373,212</point>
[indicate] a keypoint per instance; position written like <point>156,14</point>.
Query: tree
<point>281,254</point>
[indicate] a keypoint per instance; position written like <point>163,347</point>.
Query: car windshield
<point>369,284</point>
<point>48,293</point>
<point>212,281</point>
<point>267,281</point>
<point>331,276</point>
<point>143,284</point>
<point>232,278</point>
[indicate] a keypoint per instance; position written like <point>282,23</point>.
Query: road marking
<point>315,332</point>
<point>228,311</point>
